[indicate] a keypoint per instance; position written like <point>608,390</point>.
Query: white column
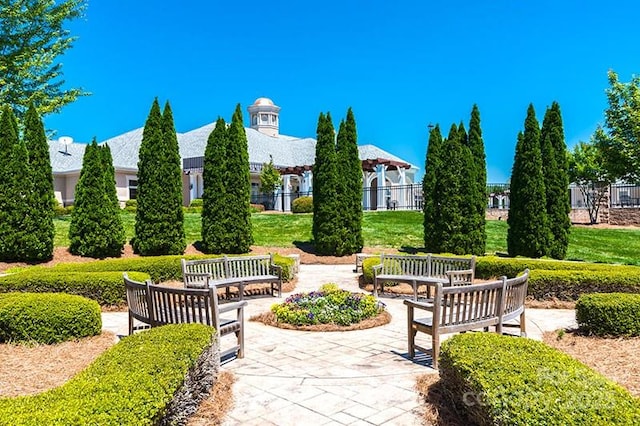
<point>365,194</point>
<point>382,186</point>
<point>403,183</point>
<point>193,187</point>
<point>286,187</point>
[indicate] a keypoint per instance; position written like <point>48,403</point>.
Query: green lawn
<point>403,229</point>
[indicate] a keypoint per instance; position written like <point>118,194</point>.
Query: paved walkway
<point>342,378</point>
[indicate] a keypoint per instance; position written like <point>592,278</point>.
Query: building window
<point>254,119</point>
<point>264,118</point>
<point>274,119</point>
<point>133,189</point>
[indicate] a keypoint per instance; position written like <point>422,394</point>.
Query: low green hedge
<point>47,317</point>
<point>302,205</point>
<point>552,279</point>
<point>502,380</point>
<point>609,314</point>
<point>106,288</point>
<point>130,384</point>
<point>160,268</point>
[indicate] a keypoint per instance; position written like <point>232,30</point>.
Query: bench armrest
<point>227,307</point>
<point>419,305</point>
<point>377,268</point>
<point>276,270</point>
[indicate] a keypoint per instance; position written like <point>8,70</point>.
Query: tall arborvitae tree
<point>214,206</point>
<point>43,197</point>
<point>112,206</point>
<point>528,225</point>
<point>325,182</point>
<point>556,174</point>
<point>452,211</point>
<point>8,138</point>
<point>159,225</point>
<point>431,188</point>
<point>93,231</point>
<point>350,188</point>
<point>238,190</point>
<point>476,144</point>
<point>468,196</point>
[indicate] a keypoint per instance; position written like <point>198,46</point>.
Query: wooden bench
<point>419,270</point>
<point>226,272</point>
<point>360,257</point>
<point>467,307</point>
<point>152,306</point>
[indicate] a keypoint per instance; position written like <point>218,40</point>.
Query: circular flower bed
<point>328,309</point>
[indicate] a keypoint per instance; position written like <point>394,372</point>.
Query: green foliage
<point>609,314</point>
<point>43,199</point>
<point>587,170</point>
<point>478,236</point>
<point>59,210</point>
<point>239,236</point>
<point>33,36</point>
<point>131,205</point>
<point>47,318</point>
<point>495,379</point>
<point>130,384</point>
<point>256,208</point>
<point>196,202</point>
<point>528,233</point>
<point>214,210</point>
<point>302,205</point>
<point>329,305</point>
<point>325,192</point>
<point>620,142</point>
<point>556,181</point>
<point>367,268</point>
<point>431,188</point>
<point>159,218</point>
<point>106,288</point>
<point>349,189</point>
<point>270,180</point>
<point>96,228</point>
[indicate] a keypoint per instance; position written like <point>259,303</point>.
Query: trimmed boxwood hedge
<point>160,268</point>
<point>130,384</point>
<point>107,288</point>
<point>302,205</point>
<point>609,314</point>
<point>502,380</point>
<point>47,317</point>
<point>552,279</point>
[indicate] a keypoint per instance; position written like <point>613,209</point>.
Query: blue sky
<point>400,66</point>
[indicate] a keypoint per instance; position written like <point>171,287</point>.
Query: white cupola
<point>264,116</point>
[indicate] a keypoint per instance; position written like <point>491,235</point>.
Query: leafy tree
<point>93,231</point>
<point>619,142</point>
<point>431,188</point>
<point>478,240</point>
<point>556,181</point>
<point>159,227</point>
<point>587,170</point>
<point>43,196</point>
<point>238,190</point>
<point>349,196</point>
<point>214,206</point>
<point>325,183</point>
<point>32,37</point>
<point>528,227</point>
<point>270,179</point>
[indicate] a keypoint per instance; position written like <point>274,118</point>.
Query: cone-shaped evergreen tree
<point>476,144</point>
<point>214,206</point>
<point>431,188</point>
<point>159,227</point>
<point>93,231</point>
<point>113,220</point>
<point>471,226</point>
<point>556,179</point>
<point>350,188</point>
<point>325,182</point>
<point>8,138</point>
<point>528,226</point>
<point>43,197</point>
<point>238,189</point>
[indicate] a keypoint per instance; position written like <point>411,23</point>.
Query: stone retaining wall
<point>625,216</point>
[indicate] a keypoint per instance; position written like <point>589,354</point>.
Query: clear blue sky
<point>401,65</point>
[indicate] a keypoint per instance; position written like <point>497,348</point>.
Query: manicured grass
<point>403,230</point>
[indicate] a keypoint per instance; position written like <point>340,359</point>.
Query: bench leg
<point>523,325</point>
<point>435,349</point>
<point>375,287</point>
<point>411,333</point>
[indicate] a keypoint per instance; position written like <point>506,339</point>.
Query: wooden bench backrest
<point>478,305</point>
<point>248,266</point>
<point>429,265</point>
<point>216,267</point>
<point>515,295</point>
<point>137,299</point>
<point>183,305</point>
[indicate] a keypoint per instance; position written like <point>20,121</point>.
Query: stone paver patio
<point>359,377</point>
